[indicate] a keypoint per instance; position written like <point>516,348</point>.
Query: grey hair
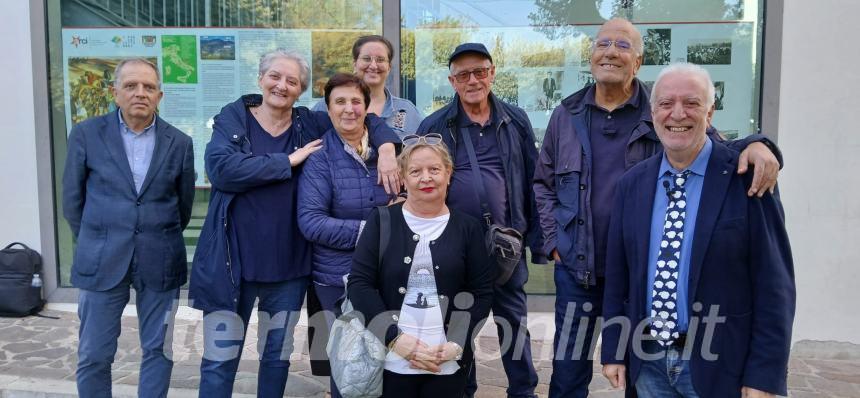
<point>638,42</point>
<point>689,69</point>
<point>117,72</point>
<point>269,58</point>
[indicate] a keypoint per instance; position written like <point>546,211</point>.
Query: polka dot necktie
<point>664,293</point>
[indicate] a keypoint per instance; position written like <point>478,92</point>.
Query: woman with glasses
<point>250,247</point>
<point>371,61</point>
<point>426,292</point>
<point>337,190</point>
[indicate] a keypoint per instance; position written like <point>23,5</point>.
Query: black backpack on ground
<point>20,281</point>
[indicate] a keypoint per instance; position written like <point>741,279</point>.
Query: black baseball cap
<point>476,48</point>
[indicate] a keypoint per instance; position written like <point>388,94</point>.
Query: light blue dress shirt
<point>138,150</point>
<point>693,188</point>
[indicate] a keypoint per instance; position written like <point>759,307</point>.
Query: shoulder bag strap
<point>479,181</point>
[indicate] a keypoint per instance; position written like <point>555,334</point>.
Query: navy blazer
<point>113,224</point>
<point>741,262</point>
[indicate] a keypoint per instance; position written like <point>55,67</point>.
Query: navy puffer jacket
<point>336,192</point>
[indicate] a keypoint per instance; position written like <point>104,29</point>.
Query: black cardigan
<point>462,269</point>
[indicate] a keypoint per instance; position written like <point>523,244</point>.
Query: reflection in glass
<point>542,48</point>
<point>207,51</point>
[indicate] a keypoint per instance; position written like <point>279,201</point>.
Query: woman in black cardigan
<point>434,284</point>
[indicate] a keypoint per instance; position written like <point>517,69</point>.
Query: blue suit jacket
<point>741,261</point>
<point>113,224</point>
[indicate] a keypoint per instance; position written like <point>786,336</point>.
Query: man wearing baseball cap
<point>497,189</point>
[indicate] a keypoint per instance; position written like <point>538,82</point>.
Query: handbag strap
<point>479,181</point>
<point>17,243</point>
<point>384,233</point>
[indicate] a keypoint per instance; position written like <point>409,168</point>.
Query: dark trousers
<point>509,310</point>
<point>573,343</point>
<point>224,336</point>
<point>395,385</point>
<point>328,296</point>
<point>101,314</point>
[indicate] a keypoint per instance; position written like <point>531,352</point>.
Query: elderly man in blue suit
<point>700,294</point>
<point>128,189</point>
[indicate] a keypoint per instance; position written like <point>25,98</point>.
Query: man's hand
<point>555,255</point>
<point>765,168</point>
<point>615,374</point>
<point>386,166</point>
<point>749,392</point>
<point>299,156</point>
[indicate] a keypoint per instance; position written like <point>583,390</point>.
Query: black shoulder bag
<point>503,243</point>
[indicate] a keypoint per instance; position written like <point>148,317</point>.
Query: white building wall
<point>820,138</point>
<point>19,194</point>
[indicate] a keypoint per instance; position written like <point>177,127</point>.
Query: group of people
<point>294,212</point>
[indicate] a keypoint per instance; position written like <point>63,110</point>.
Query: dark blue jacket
<point>232,169</point>
<point>741,268</point>
<point>115,226</point>
<point>562,179</point>
<point>336,193</point>
<point>519,153</point>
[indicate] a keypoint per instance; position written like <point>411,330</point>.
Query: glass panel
<point>208,51</point>
<point>541,50</point>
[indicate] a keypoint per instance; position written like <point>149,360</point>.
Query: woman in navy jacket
<point>337,189</point>
<point>250,246</point>
<point>429,290</point>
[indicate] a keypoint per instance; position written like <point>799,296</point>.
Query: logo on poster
<point>78,41</point>
<point>148,40</point>
<point>125,42</point>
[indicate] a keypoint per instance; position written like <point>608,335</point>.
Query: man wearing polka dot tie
<point>700,296</point>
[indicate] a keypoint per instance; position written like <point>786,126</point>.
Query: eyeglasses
<point>367,59</point>
<point>621,45</point>
<point>429,139</point>
<point>480,73</point>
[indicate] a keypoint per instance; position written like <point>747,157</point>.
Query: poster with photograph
<point>201,69</point>
<point>536,73</point>
<point>658,46</point>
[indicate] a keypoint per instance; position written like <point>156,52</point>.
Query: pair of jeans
<point>577,309</point>
<point>280,304</point>
<point>328,296</point>
<point>510,311</point>
<point>100,313</point>
<point>665,377</point>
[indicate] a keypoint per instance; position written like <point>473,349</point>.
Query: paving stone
<point>190,383</point>
<point>834,388</point>
<point>50,345</point>
<point>835,366</point>
<point>798,366</point>
<point>23,347</point>
<point>117,375</point>
<point>301,386</point>
<point>848,378</point>
<point>806,394</point>
<point>50,353</point>
<point>799,382</point>
<point>34,372</point>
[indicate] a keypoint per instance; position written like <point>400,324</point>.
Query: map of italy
<point>179,58</point>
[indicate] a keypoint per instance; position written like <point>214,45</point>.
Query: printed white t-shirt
<point>420,314</point>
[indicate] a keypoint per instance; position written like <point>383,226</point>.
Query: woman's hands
<point>299,156</point>
<point>422,356</point>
